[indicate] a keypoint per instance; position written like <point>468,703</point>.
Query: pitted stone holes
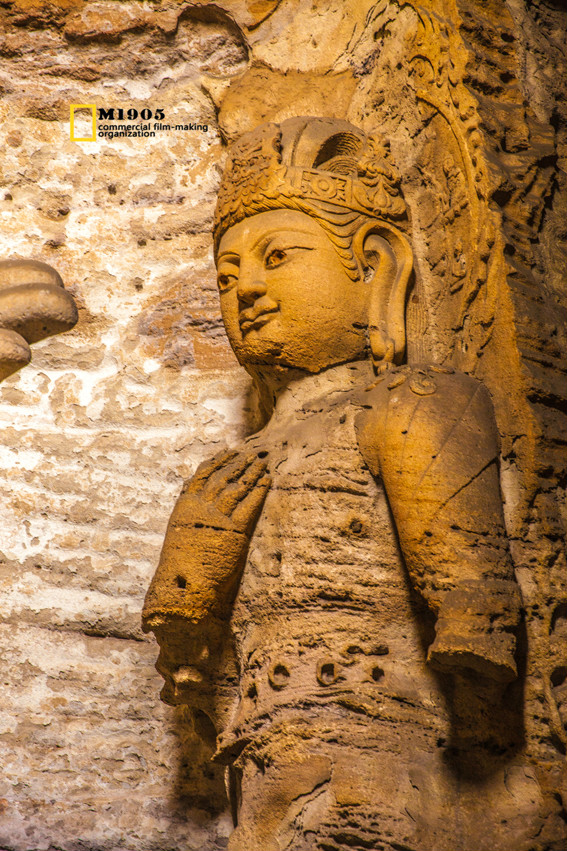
<point>278,676</point>
<point>327,672</point>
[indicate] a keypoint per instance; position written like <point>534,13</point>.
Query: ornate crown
<point>322,161</point>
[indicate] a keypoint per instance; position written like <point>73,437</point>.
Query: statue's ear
<point>386,259</point>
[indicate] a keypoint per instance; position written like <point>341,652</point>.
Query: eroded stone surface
<point>86,430</point>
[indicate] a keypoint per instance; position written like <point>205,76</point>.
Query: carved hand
<point>204,552</point>
<point>207,539</point>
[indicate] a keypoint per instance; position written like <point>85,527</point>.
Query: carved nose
<point>250,288</point>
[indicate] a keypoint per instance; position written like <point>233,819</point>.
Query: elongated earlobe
<point>387,260</point>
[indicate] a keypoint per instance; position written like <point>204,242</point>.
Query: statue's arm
<point>431,437</point>
<point>189,600</point>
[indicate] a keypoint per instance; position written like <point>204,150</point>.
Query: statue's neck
<point>286,392</point>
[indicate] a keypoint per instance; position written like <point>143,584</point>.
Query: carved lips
<point>256,316</point>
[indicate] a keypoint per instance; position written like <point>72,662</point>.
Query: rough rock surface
<point>98,433</point>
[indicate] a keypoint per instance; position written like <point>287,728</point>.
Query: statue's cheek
<point>229,312</point>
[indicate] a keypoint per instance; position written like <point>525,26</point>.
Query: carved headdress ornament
<point>321,163</point>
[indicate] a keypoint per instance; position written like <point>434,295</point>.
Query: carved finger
<point>205,470</point>
<point>237,491</point>
<point>228,474</point>
<point>248,510</point>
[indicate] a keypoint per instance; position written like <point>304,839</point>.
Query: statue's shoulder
<point>418,409</point>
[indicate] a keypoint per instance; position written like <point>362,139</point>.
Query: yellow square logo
<point>82,121</point>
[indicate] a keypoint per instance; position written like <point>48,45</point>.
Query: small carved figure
<point>321,586</point>
<point>33,305</point>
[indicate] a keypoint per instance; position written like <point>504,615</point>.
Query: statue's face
<point>286,298</point>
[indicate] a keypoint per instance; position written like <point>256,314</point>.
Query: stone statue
<point>33,305</point>
<point>337,594</point>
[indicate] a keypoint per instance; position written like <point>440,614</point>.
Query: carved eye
<point>275,257</point>
<point>225,282</point>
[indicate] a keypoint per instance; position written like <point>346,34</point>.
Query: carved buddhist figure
<point>337,593</point>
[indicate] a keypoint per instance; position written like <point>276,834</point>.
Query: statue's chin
<point>278,359</point>
<point>272,356</point>
<point>271,343</point>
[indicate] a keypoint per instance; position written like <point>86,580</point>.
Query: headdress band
<point>318,161</point>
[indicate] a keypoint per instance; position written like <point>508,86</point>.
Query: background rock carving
<point>101,428</point>
<point>33,305</point>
